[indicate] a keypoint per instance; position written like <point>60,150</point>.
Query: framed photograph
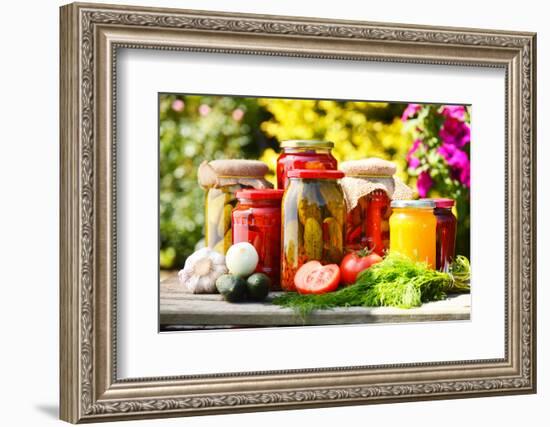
<point>345,221</point>
<point>266,212</point>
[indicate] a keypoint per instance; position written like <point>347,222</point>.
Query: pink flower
<point>464,177</point>
<point>412,160</point>
<point>458,161</point>
<point>455,132</point>
<point>238,114</point>
<point>204,110</point>
<point>178,105</point>
<point>410,111</point>
<point>424,183</point>
<point>454,111</point>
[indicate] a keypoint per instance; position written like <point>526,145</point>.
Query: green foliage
<point>358,129</point>
<point>397,281</point>
<point>193,129</point>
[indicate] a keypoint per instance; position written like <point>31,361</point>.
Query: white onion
<point>241,259</point>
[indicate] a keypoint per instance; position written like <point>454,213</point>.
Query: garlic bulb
<point>201,270</point>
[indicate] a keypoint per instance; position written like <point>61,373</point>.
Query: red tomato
<point>355,262</point>
<point>314,278</point>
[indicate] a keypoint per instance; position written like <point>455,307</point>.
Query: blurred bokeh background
<point>428,143</point>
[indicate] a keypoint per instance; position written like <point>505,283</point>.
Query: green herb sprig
<point>397,281</point>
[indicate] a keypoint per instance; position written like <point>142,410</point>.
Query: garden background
<point>429,143</point>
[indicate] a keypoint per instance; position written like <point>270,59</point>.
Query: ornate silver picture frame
<point>90,37</point>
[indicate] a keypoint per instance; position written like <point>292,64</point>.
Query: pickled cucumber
<point>330,191</point>
<point>291,253</point>
<point>313,239</point>
<point>308,207</point>
<point>291,240</point>
<point>292,230</point>
<point>224,222</point>
<point>334,201</point>
<point>223,245</point>
<point>214,206</point>
<point>333,240</point>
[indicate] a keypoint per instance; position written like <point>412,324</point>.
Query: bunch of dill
<point>395,282</point>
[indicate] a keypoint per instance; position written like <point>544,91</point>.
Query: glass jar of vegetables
<point>313,215</point>
<point>446,233</point>
<point>257,220</point>
<point>222,179</point>
<point>369,187</point>
<point>304,154</point>
<point>413,230</point>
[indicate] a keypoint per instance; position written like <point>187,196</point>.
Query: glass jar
<point>413,230</point>
<point>222,179</point>
<point>219,206</point>
<point>313,215</point>
<point>369,187</point>
<point>445,234</point>
<point>257,220</point>
<point>304,154</point>
<point>367,225</point>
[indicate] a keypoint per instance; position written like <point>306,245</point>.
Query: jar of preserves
<point>445,234</point>
<point>313,215</point>
<point>304,154</point>
<point>257,220</point>
<point>222,179</point>
<point>369,187</point>
<point>413,230</point>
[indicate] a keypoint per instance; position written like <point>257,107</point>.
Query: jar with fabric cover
<point>369,187</point>
<point>222,179</point>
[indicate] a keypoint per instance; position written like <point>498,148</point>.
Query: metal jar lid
<point>306,143</point>
<point>418,204</point>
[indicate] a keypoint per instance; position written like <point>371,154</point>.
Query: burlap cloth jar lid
<point>366,175</point>
<point>221,173</point>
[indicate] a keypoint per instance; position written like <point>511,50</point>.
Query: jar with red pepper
<point>257,220</point>
<point>304,154</point>
<point>369,187</point>
<point>446,233</point>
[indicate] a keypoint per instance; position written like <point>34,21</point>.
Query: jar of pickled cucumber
<point>369,188</point>
<point>313,215</point>
<point>222,179</point>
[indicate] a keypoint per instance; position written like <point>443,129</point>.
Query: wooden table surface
<point>179,309</point>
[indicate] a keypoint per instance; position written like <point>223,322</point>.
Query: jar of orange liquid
<point>413,230</point>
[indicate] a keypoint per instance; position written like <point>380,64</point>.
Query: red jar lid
<point>315,174</point>
<point>444,203</point>
<point>266,194</point>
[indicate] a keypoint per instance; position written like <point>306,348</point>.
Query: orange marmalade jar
<point>257,220</point>
<point>413,230</point>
